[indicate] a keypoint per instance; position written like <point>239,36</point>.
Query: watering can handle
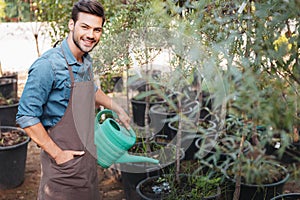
<point>106,111</point>
<point>115,116</point>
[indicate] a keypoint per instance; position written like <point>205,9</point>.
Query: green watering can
<point>112,142</point>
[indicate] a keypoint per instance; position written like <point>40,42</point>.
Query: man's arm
<point>40,136</point>
<point>102,99</point>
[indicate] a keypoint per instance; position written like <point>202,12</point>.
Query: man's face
<point>86,32</point>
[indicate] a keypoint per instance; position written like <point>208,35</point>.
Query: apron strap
<point>69,67</point>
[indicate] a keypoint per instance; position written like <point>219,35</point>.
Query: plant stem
<point>147,128</point>
<point>237,190</point>
<point>178,141</point>
<point>147,88</point>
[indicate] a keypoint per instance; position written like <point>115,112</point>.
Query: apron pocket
<point>69,174</point>
<point>69,164</point>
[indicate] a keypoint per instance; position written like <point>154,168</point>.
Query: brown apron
<point>77,178</point>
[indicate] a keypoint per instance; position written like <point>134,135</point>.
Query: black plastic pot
<point>290,155</point>
<point>133,173</point>
<point>138,110</point>
<point>159,193</point>
<point>8,88</point>
<point>12,162</point>
<point>290,196</point>
<point>262,191</point>
<point>13,75</point>
<point>11,90</point>
<point>118,83</point>
<point>160,117</point>
<point>190,134</point>
<point>8,114</point>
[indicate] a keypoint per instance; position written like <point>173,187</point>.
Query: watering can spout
<point>125,158</point>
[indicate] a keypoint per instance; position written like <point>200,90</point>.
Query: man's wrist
<point>52,149</point>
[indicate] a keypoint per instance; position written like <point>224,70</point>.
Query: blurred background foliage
<point>253,45</point>
<point>245,52</point>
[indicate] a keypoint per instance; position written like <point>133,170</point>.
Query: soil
<point>110,184</point>
<point>164,186</point>
<point>12,137</point>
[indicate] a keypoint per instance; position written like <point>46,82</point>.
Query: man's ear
<point>71,24</point>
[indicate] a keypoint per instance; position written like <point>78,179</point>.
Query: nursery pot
<point>8,114</point>
<point>12,161</point>
<point>138,110</point>
<point>133,173</point>
<point>190,134</point>
<point>8,88</point>
<point>290,155</point>
<point>118,83</point>
<point>160,187</point>
<point>261,191</point>
<point>161,116</point>
<point>289,196</point>
<point>13,75</point>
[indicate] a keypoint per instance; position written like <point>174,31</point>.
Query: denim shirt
<point>47,91</point>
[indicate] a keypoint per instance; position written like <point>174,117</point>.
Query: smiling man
<point>57,109</point>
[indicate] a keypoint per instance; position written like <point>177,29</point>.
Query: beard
<point>81,47</point>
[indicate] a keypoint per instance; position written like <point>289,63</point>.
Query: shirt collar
<point>70,57</point>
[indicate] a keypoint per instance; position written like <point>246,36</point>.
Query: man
<point>57,109</point>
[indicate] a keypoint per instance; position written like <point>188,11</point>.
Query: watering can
<point>112,142</point>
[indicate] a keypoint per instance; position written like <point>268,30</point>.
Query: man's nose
<point>90,34</point>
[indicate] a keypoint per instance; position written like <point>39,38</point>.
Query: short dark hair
<point>88,6</point>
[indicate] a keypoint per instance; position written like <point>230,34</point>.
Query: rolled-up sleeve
<point>35,94</point>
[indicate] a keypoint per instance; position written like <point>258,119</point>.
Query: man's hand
<point>66,155</point>
<point>102,99</point>
<point>40,136</point>
<point>124,118</point>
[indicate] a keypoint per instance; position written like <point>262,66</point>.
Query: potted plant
<point>220,151</point>
<point>191,132</point>
<point>189,187</point>
<point>162,114</point>
<point>8,84</point>
<point>13,154</point>
<point>258,178</point>
<point>133,173</point>
<point>149,94</point>
<point>8,111</point>
<point>288,196</point>
<point>8,87</point>
<point>284,148</point>
<point>139,107</point>
<point>8,98</point>
<point>178,105</point>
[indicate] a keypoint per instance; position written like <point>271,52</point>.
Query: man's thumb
<point>78,153</point>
